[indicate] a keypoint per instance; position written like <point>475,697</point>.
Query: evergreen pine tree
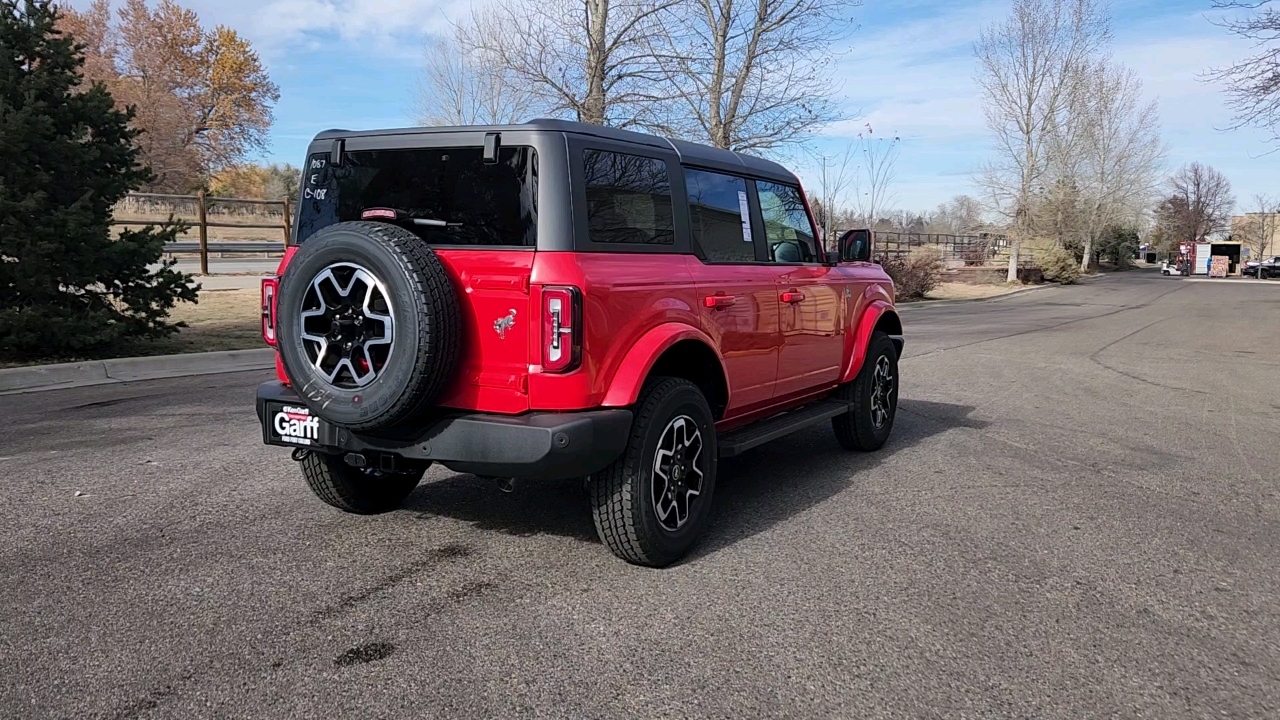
<point>66,157</point>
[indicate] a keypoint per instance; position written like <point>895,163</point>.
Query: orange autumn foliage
<point>203,98</point>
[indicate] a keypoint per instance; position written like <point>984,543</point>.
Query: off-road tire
<point>621,495</point>
<point>856,429</point>
<point>426,342</point>
<point>354,490</point>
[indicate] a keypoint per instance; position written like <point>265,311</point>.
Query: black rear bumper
<point>538,445</point>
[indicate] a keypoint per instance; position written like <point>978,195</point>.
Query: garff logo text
<point>297,425</point>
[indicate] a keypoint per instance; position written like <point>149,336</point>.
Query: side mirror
<point>855,246</point>
<point>832,257</point>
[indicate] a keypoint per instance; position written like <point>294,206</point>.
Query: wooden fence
<point>972,249</point>
<point>203,204</point>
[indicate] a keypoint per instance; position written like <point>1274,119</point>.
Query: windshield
<point>474,203</point>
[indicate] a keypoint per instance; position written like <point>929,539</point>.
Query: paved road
<point>1077,517</point>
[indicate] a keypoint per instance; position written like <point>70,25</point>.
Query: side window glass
<point>628,199</point>
<point>720,216</point>
<point>786,224</point>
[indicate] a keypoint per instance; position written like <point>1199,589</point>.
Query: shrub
<point>914,274</point>
<point>977,253</point>
<point>1059,264</point>
<point>66,157</point>
<point>1119,245</point>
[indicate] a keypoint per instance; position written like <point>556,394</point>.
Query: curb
<point>14,381</point>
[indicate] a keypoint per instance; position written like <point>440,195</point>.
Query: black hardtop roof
<point>690,153</point>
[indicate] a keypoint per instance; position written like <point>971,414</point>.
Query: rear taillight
<point>561,328</point>
<point>270,288</point>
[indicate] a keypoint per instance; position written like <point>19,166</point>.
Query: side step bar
<point>759,433</point>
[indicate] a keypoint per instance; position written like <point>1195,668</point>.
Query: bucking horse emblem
<point>502,324</point>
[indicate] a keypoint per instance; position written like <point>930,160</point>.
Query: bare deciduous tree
<point>586,58</point>
<point>748,75</point>
<point>959,215</point>
<point>873,183</point>
<point>835,175</point>
<point>1260,228</point>
<point>1203,197</point>
<point>1119,149</point>
<point>1027,66</point>
<point>462,86</point>
<point>1172,225</point>
<point>1253,84</point>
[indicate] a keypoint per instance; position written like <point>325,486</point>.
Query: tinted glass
<point>720,216</point>
<point>491,205</point>
<point>856,245</point>
<point>786,224</point>
<point>628,199</point>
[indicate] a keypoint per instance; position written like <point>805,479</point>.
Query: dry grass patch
<point>967,291</point>
<point>223,320</point>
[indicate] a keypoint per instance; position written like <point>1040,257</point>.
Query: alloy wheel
<point>882,390</point>
<point>347,325</point>
<point>677,472</point>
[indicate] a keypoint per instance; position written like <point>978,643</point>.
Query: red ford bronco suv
<point>557,300</point>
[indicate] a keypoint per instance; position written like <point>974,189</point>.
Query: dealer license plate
<point>292,425</point>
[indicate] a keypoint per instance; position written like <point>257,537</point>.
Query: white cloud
<point>375,27</point>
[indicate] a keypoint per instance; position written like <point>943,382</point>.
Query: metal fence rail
<point>221,248</point>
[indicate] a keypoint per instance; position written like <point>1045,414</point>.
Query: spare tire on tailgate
<point>367,324</point>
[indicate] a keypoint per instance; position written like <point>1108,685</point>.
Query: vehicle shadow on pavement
<point>534,507</point>
<point>777,481</point>
<point>755,491</point>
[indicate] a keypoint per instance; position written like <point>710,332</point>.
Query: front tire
<point>650,505</point>
<point>356,490</point>
<point>873,395</point>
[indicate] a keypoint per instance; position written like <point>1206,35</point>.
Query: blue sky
<point>908,71</point>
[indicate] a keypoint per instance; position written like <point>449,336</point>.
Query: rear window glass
<point>478,204</point>
<point>720,216</point>
<point>628,199</point>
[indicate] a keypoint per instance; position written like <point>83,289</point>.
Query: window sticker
<point>744,209</point>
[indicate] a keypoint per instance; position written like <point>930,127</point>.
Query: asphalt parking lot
<point>1077,517</point>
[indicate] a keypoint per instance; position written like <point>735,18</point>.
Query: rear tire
<point>874,397</point>
<point>404,350</point>
<point>355,490</point>
<point>642,516</point>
